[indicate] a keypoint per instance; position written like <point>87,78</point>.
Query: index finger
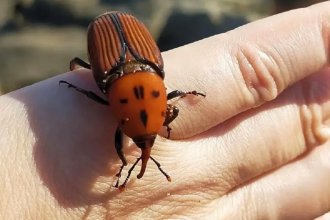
<point>246,67</point>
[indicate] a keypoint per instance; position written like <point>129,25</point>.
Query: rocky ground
<point>39,37</point>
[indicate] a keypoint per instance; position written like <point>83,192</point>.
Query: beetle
<point>128,68</point>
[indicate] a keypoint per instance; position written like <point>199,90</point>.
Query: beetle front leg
<point>171,113</point>
<point>89,94</point>
<point>76,63</point>
<point>181,94</point>
<point>122,186</point>
<point>119,149</point>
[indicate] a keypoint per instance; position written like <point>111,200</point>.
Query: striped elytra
<point>115,39</point>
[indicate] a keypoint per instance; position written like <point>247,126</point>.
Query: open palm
<point>257,147</point>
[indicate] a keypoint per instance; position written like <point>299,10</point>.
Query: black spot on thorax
<point>139,92</point>
<point>144,117</point>
<point>155,94</point>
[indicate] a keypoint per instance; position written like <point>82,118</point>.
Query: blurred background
<point>38,38</point>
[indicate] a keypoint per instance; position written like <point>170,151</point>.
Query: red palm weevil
<point>128,68</point>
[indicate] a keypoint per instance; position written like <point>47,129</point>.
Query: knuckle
<point>312,116</point>
<point>260,73</point>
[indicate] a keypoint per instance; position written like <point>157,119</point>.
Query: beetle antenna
<point>161,170</point>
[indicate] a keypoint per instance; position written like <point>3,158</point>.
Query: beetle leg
<point>76,63</point>
<point>119,149</point>
<point>119,145</point>
<point>171,113</point>
<point>118,175</point>
<point>181,94</point>
<point>161,170</point>
<point>122,186</point>
<point>89,94</point>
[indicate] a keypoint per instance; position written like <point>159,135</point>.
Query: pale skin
<point>257,147</point>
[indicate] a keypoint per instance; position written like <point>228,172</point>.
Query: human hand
<point>248,150</point>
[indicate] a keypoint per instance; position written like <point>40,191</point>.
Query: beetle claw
<point>68,84</point>
<point>61,81</point>
<point>196,93</point>
<point>121,188</point>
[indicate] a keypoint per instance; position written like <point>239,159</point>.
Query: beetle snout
<point>145,143</point>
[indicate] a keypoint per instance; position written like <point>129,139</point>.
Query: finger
<point>300,190</point>
<point>258,141</point>
<point>246,67</point>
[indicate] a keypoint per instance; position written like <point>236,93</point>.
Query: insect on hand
<point>128,68</point>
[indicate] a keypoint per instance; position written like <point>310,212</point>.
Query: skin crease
<point>257,147</point>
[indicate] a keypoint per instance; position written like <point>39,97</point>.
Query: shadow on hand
<point>74,143</point>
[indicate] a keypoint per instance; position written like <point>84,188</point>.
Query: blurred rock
<point>33,54</point>
<point>6,11</point>
<point>39,37</point>
<point>58,12</point>
<point>284,5</point>
<point>202,27</point>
